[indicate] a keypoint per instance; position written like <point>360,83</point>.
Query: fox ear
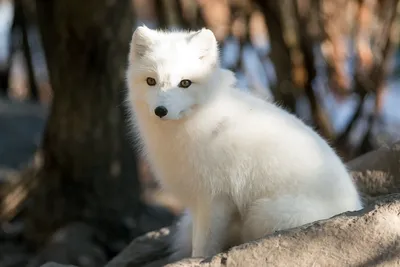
<point>141,42</point>
<point>206,44</point>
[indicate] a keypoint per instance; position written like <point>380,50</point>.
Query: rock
<point>53,264</point>
<point>370,237</point>
<point>13,254</point>
<point>84,245</point>
<point>145,251</point>
<point>378,172</point>
<point>72,244</point>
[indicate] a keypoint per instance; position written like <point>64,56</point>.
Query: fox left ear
<point>205,42</point>
<point>141,42</point>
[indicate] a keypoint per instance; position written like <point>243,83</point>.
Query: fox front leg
<point>210,223</point>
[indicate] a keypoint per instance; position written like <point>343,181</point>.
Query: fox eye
<point>185,83</point>
<point>151,81</point>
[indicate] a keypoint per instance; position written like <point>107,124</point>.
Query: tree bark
<point>86,169</point>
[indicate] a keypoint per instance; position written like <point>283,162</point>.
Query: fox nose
<point>161,111</point>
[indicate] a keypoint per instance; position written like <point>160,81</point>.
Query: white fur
<point>242,166</point>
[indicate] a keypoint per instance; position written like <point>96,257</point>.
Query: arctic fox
<point>243,167</point>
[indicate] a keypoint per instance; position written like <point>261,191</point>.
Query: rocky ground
<point>370,237</point>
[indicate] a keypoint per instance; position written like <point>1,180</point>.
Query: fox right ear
<point>142,40</point>
<point>206,45</point>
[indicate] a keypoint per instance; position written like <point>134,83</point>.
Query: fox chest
<point>185,168</point>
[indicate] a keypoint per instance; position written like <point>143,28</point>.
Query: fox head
<point>172,73</point>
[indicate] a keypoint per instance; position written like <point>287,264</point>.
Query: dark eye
<point>151,81</point>
<point>185,83</point>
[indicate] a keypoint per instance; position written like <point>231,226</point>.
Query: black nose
<point>161,111</point>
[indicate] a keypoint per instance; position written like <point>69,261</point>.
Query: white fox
<point>242,166</point>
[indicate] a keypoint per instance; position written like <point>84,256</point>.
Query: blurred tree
<point>298,28</point>
<point>6,45</point>
<point>4,74</point>
<point>280,54</point>
<point>23,18</point>
<point>86,169</point>
<point>18,39</point>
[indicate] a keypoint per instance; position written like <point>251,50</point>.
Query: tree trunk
<point>4,74</point>
<point>86,169</point>
<point>304,23</point>
<point>280,54</point>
